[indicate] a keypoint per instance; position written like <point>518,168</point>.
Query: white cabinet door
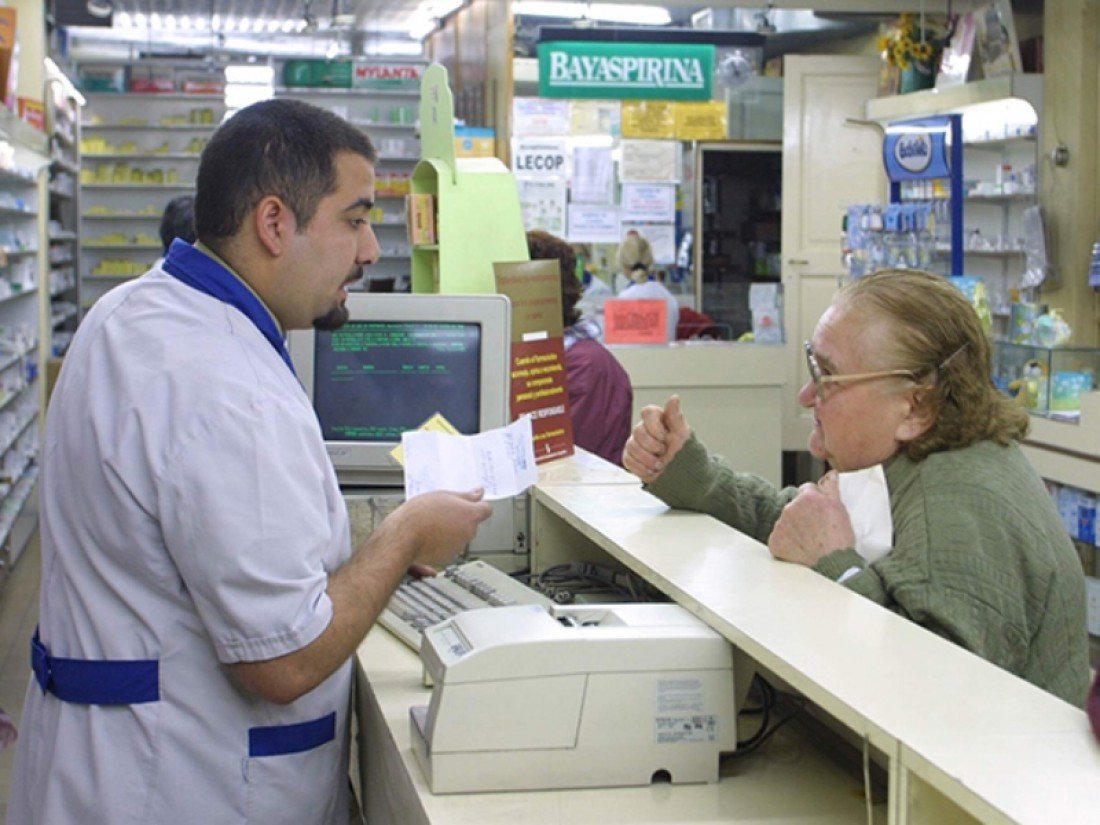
<point>829,162</point>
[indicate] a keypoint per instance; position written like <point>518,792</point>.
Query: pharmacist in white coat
<point>200,598</point>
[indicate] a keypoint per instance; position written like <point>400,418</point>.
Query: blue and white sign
<point>917,149</point>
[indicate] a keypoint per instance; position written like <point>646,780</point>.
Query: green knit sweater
<point>979,555</point>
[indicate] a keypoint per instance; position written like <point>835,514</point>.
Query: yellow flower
<point>922,51</point>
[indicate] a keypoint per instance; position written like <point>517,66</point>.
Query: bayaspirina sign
<point>626,70</point>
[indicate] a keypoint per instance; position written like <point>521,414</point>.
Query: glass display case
<point>1046,381</point>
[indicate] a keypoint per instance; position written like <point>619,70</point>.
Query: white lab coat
<point>189,514</point>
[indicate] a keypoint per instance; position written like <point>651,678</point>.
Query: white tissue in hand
<point>867,500</point>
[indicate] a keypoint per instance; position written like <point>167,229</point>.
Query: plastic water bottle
<point>1094,266</point>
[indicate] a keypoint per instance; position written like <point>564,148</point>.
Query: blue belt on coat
<point>133,681</point>
<point>95,681</point>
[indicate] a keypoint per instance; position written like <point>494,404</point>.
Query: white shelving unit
<point>138,151</point>
<point>63,227</point>
<point>1000,119</point>
<point>388,117</point>
<point>24,310</point>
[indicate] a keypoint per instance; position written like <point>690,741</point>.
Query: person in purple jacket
<point>601,400</point>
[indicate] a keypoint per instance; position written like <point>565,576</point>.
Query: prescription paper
<point>500,461</point>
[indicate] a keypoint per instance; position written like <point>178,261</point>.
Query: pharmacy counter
<point>1068,452</point>
<point>960,734</point>
<point>789,780</point>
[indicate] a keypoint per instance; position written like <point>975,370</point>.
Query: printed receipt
<point>501,461</point>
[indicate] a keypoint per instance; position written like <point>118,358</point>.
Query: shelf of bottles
<point>63,226</point>
<point>142,134</point>
<point>23,236</point>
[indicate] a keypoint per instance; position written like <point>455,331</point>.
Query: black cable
<point>769,699</point>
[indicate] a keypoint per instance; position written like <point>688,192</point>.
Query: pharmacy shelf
<point>999,144</point>
<point>320,91</point>
<point>91,244</point>
<point>159,128</point>
<point>189,97</point>
<point>181,187</point>
<point>142,156</point>
<point>122,216</point>
<point>16,296</point>
<point>184,127</point>
<point>7,211</point>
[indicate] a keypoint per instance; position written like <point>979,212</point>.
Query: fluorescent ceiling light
<point>421,27</point>
<point>100,8</point>
<point>429,15</point>
<point>441,8</point>
<point>605,12</point>
<point>394,48</point>
<point>616,13</point>
<point>549,8</point>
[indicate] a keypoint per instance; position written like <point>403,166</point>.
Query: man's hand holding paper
<point>501,461</point>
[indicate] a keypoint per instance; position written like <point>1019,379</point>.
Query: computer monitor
<point>399,359</point>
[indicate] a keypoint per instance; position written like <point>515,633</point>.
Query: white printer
<point>529,698</point>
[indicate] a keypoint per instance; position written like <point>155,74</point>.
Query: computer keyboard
<point>420,603</point>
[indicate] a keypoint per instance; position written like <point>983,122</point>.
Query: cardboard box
<point>103,78</point>
<point>333,74</point>
<point>7,55</point>
<point>32,111</point>
<point>474,142</point>
<point>420,219</point>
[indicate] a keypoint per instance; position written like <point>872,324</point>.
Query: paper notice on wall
<point>649,119</point>
<point>650,160</point>
<point>661,237</point>
<point>593,224</point>
<point>703,120</point>
<point>648,202</point>
<point>543,203</point>
<point>595,117</point>
<point>593,175</point>
<point>642,321</point>
<point>539,116</point>
<point>540,157</point>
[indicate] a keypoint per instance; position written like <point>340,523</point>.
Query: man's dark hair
<point>178,221</point>
<point>285,148</point>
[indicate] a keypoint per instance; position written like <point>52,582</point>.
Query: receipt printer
<point>530,697</point>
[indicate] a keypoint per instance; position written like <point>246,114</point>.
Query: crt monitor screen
<point>373,379</point>
<point>399,360</point>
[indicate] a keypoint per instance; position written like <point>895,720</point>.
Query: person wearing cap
<point>635,264</point>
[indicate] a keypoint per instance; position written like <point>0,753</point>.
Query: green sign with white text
<point>627,71</point>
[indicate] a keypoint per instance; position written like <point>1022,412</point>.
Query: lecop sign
<point>628,71</point>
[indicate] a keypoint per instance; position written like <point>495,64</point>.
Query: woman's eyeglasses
<point>821,380</point>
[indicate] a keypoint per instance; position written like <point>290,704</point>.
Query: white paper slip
<point>501,461</point>
<point>867,500</point>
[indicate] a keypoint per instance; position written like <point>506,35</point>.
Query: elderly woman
<point>899,375</point>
